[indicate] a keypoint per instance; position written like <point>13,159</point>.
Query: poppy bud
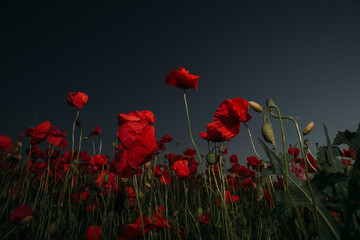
<point>25,220</point>
<point>106,178</point>
<point>148,185</point>
<point>19,157</point>
<point>259,193</point>
<point>177,143</point>
<point>308,128</point>
<point>199,211</point>
<point>202,155</point>
<point>85,138</point>
<point>147,165</point>
<point>255,106</point>
<point>222,149</point>
<point>142,195</point>
<point>19,144</point>
<point>52,229</point>
<point>306,142</point>
<point>268,133</point>
<point>210,158</point>
<point>113,144</point>
<point>270,101</point>
<point>111,214</point>
<point>16,149</point>
<point>78,123</point>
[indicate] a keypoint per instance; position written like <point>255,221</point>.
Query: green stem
<point>192,139</point>
<point>287,167</point>
<point>306,170</point>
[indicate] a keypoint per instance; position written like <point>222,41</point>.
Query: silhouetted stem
<point>287,166</point>
<point>192,139</point>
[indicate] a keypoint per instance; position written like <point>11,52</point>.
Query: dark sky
<point>304,54</point>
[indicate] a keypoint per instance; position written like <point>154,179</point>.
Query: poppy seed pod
<point>308,128</point>
<point>268,133</point>
<point>255,106</point>
<point>210,158</point>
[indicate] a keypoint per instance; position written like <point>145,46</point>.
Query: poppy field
<point>145,191</point>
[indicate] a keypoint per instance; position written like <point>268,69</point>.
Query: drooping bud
<point>78,123</point>
<point>85,138</point>
<point>268,133</point>
<point>19,144</point>
<point>210,158</point>
<point>199,212</point>
<point>222,149</point>
<point>147,185</point>
<point>308,128</point>
<point>259,192</point>
<point>255,106</point>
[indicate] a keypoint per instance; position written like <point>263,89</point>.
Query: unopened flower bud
<point>78,123</point>
<point>113,144</point>
<point>202,155</point>
<point>255,106</point>
<point>147,165</point>
<point>177,143</point>
<point>308,128</point>
<point>268,133</point>
<point>259,193</point>
<point>16,149</point>
<point>306,142</point>
<point>52,229</point>
<point>106,178</point>
<point>147,185</point>
<point>222,149</point>
<point>25,220</point>
<point>85,138</point>
<point>19,144</point>
<point>199,212</point>
<point>270,101</point>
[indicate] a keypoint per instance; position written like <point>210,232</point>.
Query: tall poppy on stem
<point>183,79</point>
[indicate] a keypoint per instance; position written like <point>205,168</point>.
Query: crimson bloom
<point>234,158</point>
<point>40,132</point>
<point>134,231</point>
<point>228,198</point>
<point>229,115</point>
<point>21,214</point>
<point>205,218</point>
<point>93,233</point>
<point>6,143</point>
<point>213,134</point>
<point>57,138</point>
<point>182,79</point>
<point>95,131</point>
<point>77,99</point>
<point>181,169</point>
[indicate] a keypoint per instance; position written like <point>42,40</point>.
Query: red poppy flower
<point>6,143</point>
<point>20,214</point>
<point>213,134</point>
<point>349,153</point>
<point>98,161</point>
<point>246,183</point>
<point>254,163</point>
<point>166,139</point>
<point>159,220</point>
<point>294,151</point>
<point>205,218</point>
<point>40,132</point>
<point>57,138</point>
<point>228,198</point>
<point>93,233</point>
<point>95,131</point>
<point>134,231</point>
<point>182,79</point>
<point>181,169</point>
<point>77,99</point>
<point>268,198</point>
<point>234,158</point>
<point>189,152</point>
<point>229,115</point>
